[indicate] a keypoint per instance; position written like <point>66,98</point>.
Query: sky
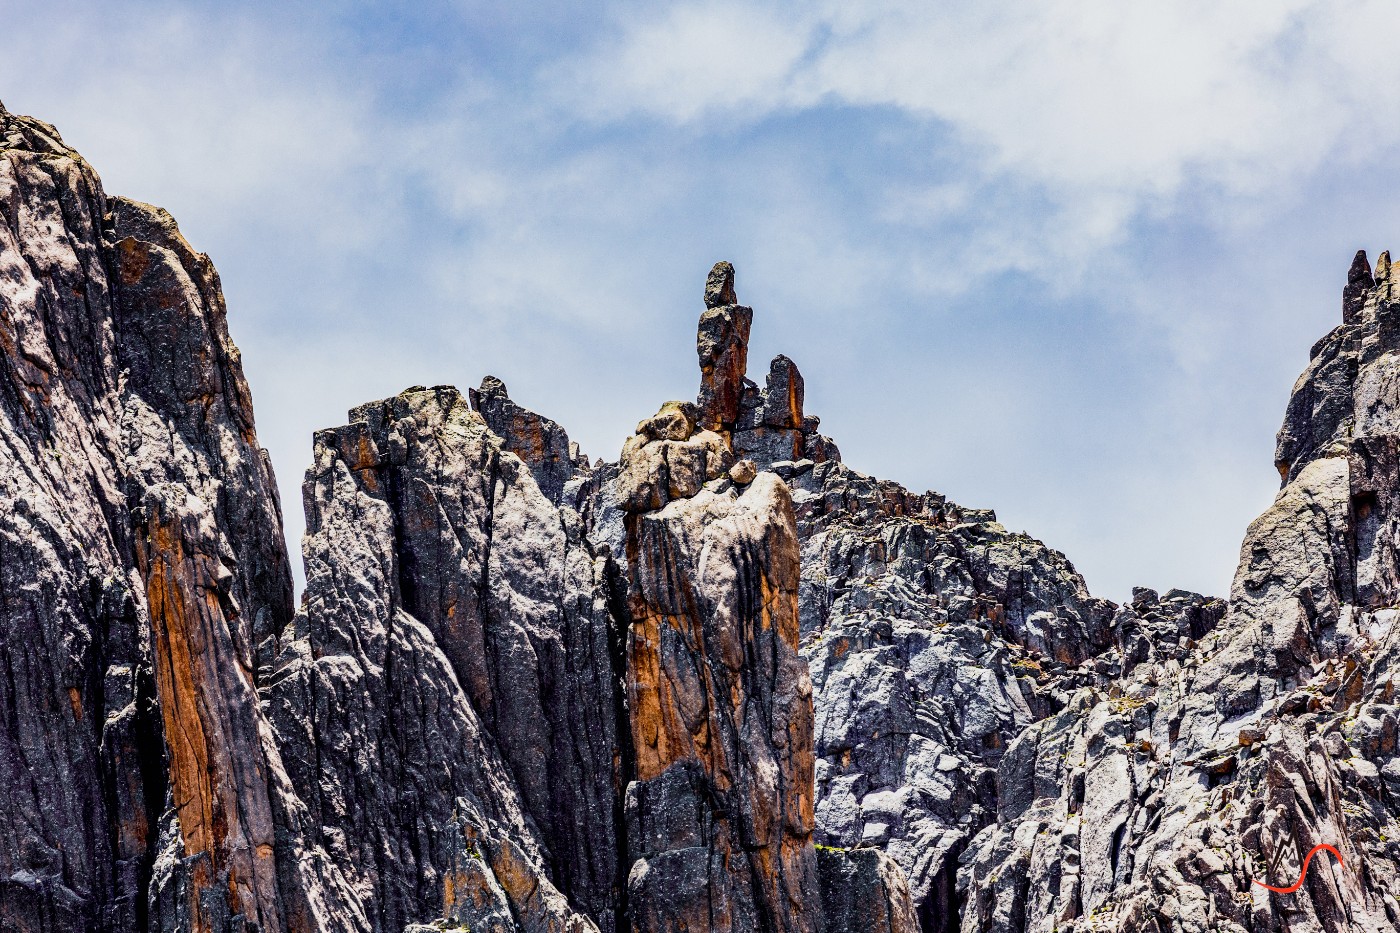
<point>1059,258</point>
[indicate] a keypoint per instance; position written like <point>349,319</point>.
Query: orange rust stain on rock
<point>512,872</point>
<point>449,893</point>
<point>133,259</point>
<point>365,454</point>
<point>75,700</point>
<point>190,781</point>
<point>184,729</point>
<point>369,479</point>
<point>206,783</point>
<point>659,733</point>
<point>646,686</point>
<point>794,408</point>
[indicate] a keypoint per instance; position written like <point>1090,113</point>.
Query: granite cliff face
<point>1155,798</point>
<point>143,578</point>
<point>723,683</point>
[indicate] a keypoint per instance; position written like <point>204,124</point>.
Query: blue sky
<point>1061,259</point>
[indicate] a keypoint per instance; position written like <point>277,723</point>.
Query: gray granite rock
<point>454,668</point>
<point>1222,755</point>
<point>542,444</point>
<point>144,577</point>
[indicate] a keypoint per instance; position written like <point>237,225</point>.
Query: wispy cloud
<point>1110,109</point>
<point>1063,259</point>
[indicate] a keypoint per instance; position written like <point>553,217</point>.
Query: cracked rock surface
<point>1155,799</point>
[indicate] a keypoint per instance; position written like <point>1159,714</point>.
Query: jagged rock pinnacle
<point>725,684</point>
<point>719,286</point>
<point>542,443</point>
<point>722,342</point>
<point>1359,282</point>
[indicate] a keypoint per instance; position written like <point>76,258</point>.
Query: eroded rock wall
<point>145,579</point>
<point>452,685</point>
<point>726,683</point>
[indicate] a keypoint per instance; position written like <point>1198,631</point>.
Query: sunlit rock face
<point>1156,803</point>
<point>144,582</point>
<point>724,683</point>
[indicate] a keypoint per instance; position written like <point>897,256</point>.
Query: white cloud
<point>696,59</point>
<point>212,114</point>
<point>954,310</point>
<point>1111,107</point>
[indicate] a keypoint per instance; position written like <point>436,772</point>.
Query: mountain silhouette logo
<point>1304,873</point>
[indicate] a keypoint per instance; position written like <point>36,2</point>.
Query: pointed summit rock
<point>719,286</point>
<point>543,444</point>
<point>783,395</point>
<point>1383,276</point>
<point>1359,282</point>
<point>722,343</point>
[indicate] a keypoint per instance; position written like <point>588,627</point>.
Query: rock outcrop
<point>862,889</point>
<point>720,705</point>
<point>723,347</point>
<point>935,637</point>
<point>452,674</point>
<point>720,813</point>
<point>725,683</point>
<point>542,444</point>
<point>772,427</point>
<point>144,577</point>
<point>1155,804</point>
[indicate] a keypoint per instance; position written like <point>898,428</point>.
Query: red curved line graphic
<point>1304,874</point>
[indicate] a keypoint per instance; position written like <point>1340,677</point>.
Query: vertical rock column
<point>720,815</point>
<point>208,548</point>
<point>723,347</point>
<point>217,765</point>
<point>720,703</point>
<point>143,578</point>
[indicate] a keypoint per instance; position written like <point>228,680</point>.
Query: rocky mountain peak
<point>1359,282</point>
<point>726,683</point>
<point>541,443</point>
<point>764,425</point>
<point>1349,390</point>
